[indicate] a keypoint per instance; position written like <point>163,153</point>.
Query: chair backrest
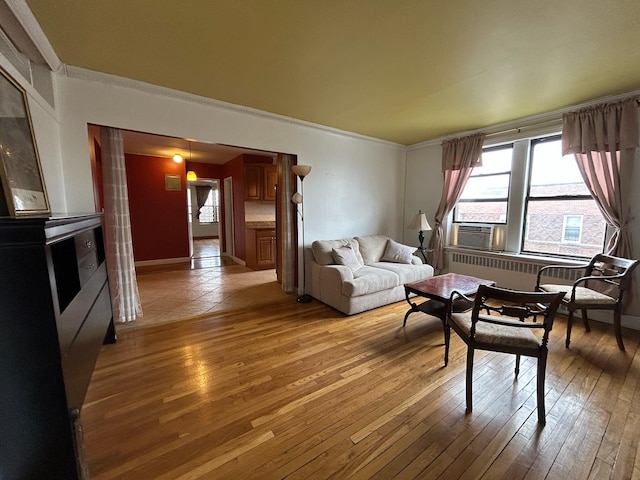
<point>516,304</point>
<point>607,265</point>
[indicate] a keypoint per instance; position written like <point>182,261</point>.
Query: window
<point>562,217</point>
<point>209,211</point>
<point>486,195</point>
<point>572,229</point>
<point>538,195</point>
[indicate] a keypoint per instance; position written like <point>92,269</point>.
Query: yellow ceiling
<point>400,70</point>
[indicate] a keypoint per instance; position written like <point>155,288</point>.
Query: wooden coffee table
<point>438,290</point>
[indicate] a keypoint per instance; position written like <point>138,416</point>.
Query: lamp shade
<point>301,170</point>
<point>419,222</point>
<point>191,176</point>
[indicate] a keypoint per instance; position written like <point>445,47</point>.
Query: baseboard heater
<point>511,265</point>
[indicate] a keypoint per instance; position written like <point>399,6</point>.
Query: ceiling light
<point>177,158</point>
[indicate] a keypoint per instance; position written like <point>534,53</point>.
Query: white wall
<point>355,186</point>
<point>47,136</point>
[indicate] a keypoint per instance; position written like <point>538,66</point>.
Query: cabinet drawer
<point>71,319</point>
<point>265,233</point>
<point>85,242</point>
<point>87,266</point>
<point>79,360</point>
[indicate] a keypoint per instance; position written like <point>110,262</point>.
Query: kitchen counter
<point>260,224</point>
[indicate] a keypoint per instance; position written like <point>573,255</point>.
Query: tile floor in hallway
<point>211,283</point>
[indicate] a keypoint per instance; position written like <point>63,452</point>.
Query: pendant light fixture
<point>191,175</point>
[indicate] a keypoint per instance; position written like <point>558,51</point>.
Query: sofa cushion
<point>372,247</point>
<point>406,273</point>
<point>397,253</point>
<point>345,255</point>
<point>323,250</point>
<point>369,280</point>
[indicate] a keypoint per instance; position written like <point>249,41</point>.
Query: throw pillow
<point>346,256</point>
<point>397,253</point>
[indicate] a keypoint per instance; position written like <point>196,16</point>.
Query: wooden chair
<point>508,321</point>
<point>601,287</point>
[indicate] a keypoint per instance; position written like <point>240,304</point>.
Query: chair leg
<point>517,365</point>
<point>585,320</point>
<point>617,328</point>
<point>542,368</point>
<point>569,323</point>
<point>469,377</point>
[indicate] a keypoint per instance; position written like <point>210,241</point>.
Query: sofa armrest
<point>324,278</point>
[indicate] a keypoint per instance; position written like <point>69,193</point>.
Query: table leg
<point>414,308</point>
<point>447,336</point>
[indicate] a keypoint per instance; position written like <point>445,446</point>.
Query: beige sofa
<point>357,274</point>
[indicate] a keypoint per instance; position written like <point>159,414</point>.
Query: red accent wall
<point>159,225</point>
<point>206,170</point>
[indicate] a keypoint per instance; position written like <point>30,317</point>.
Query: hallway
<point>210,284</point>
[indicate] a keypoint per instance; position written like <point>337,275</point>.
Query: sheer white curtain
<point>286,221</point>
<point>125,298</point>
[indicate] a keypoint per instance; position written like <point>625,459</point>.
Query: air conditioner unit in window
<point>479,237</point>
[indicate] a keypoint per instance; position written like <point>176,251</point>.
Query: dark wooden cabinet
<point>253,182</point>
<point>56,314</point>
<point>260,182</point>
<point>261,248</point>
<point>270,180</point>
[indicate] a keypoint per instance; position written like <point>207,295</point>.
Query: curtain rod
<point>555,121</point>
<point>535,125</point>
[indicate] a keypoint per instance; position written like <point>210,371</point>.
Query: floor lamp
<point>301,171</point>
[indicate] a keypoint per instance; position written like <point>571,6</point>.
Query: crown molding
<point>543,121</point>
<point>116,81</point>
<point>32,28</point>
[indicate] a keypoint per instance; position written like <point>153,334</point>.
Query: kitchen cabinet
<point>261,248</point>
<point>260,181</point>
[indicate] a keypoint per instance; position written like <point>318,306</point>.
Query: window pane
<point>481,212</point>
<point>552,174</point>
<point>564,227</point>
<point>491,187</point>
<point>495,161</point>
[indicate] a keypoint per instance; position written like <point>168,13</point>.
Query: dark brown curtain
<point>202,193</point>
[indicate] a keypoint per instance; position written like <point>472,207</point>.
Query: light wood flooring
<point>288,390</point>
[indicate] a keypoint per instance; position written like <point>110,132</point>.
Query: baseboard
<point>162,261</point>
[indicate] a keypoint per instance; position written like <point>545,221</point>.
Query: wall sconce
<point>177,158</point>
<point>301,171</point>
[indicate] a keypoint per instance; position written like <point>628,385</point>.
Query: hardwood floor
<point>287,390</point>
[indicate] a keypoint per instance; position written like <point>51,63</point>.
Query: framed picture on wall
<point>22,189</point>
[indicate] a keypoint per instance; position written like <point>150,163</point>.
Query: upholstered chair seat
<point>583,295</point>
<point>603,273</point>
<point>497,334</point>
<point>507,321</point>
